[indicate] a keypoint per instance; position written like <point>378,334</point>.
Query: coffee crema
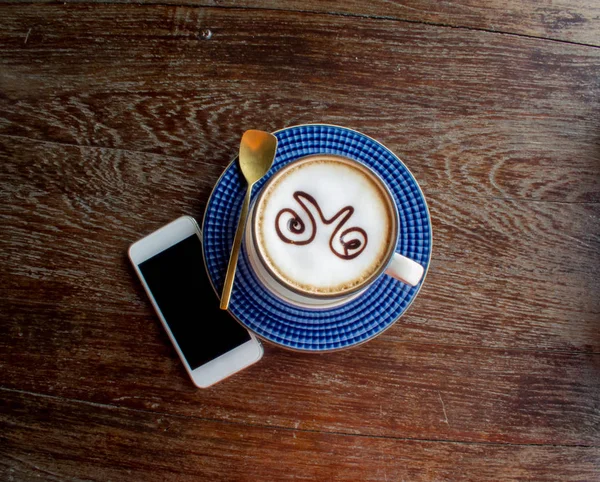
<point>324,225</point>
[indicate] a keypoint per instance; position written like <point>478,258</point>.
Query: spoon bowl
<point>257,151</point>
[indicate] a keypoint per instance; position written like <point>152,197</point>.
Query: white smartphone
<point>211,344</point>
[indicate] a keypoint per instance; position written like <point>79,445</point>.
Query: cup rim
<point>339,295</point>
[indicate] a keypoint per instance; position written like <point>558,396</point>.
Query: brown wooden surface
<point>114,443</point>
<point>576,21</point>
<point>115,119</point>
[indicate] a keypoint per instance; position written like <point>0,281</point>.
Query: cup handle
<point>405,270</point>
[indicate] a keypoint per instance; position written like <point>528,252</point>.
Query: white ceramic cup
<point>393,264</point>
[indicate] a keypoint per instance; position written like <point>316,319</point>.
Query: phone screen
<point>178,281</point>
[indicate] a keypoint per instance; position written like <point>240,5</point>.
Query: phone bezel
<point>218,368</point>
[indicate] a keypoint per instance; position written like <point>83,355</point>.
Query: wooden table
<point>117,118</point>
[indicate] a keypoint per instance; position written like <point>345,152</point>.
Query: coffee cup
<point>322,230</point>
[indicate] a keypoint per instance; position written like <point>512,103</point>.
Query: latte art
<point>324,225</point>
<point>352,240</point>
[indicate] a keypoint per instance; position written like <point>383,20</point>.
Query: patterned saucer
<point>348,325</point>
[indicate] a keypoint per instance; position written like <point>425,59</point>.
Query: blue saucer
<point>361,319</point>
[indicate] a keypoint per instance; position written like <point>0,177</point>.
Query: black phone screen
<point>178,281</point>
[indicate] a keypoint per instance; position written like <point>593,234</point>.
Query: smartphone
<point>211,344</point>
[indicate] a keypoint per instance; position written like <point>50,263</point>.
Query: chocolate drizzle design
<point>353,240</point>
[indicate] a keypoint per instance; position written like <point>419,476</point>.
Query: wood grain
<point>495,281</point>
<point>117,118</point>
<point>384,388</point>
<point>49,438</point>
<point>481,115</point>
<point>69,292</point>
<point>572,21</point>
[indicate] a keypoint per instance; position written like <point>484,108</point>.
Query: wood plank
<point>495,281</point>
<point>383,388</point>
<point>60,440</point>
<point>567,20</point>
<point>116,119</point>
<point>477,114</point>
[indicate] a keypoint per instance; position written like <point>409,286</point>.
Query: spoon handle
<point>235,252</point>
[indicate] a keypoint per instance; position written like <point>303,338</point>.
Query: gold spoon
<point>257,151</point>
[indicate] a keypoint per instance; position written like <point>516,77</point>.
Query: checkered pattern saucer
<point>324,330</point>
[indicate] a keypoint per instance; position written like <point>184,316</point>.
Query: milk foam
<point>333,184</point>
